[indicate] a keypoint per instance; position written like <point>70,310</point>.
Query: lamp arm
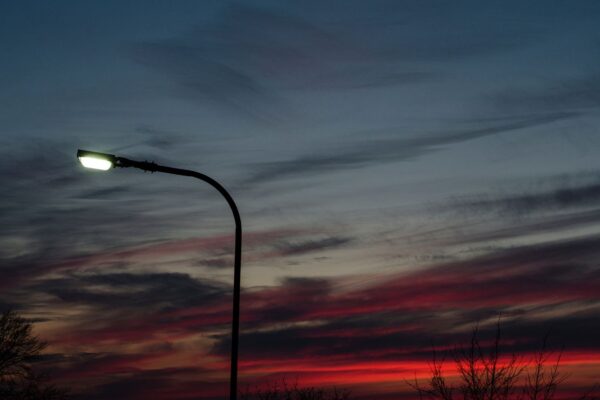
<point>122,162</point>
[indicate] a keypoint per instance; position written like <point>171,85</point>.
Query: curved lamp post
<point>104,162</point>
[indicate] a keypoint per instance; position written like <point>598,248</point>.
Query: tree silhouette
<point>282,390</point>
<point>486,374</point>
<point>19,348</point>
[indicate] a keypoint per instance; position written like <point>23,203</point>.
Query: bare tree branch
<point>19,348</point>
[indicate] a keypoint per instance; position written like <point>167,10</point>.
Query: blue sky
<point>365,143</point>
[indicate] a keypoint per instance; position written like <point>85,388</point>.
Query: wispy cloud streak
<point>392,150</point>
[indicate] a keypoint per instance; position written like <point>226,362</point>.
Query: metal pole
<point>237,266</point>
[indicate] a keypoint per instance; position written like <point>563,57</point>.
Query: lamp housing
<point>95,160</point>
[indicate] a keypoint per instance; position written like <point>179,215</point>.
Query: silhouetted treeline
<point>282,390</point>
<point>19,348</point>
<point>485,373</point>
<point>481,373</point>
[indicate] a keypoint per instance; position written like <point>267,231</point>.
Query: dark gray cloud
<point>42,162</point>
<point>54,235</point>
<point>159,291</point>
<point>291,300</point>
<point>393,150</point>
<point>511,228</point>
<point>282,246</point>
<point>103,193</point>
<point>310,246</point>
<point>39,170</point>
<point>562,198</point>
<point>397,336</point>
<point>555,263</point>
<point>223,262</point>
<point>531,286</point>
<point>52,210</point>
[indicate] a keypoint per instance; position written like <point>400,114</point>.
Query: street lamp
<point>104,162</point>
<point>93,160</point>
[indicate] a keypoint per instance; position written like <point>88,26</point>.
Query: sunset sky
<point>405,170</point>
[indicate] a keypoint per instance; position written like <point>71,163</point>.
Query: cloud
<point>103,193</point>
<point>251,56</point>
<point>588,195</point>
<point>318,329</point>
<point>288,244</point>
<point>295,248</point>
<point>392,150</point>
<point>393,336</point>
<point>472,236</point>
<point>291,301</point>
<point>575,94</point>
<point>248,56</point>
<point>308,317</point>
<point>59,258</point>
<point>158,291</point>
<point>534,287</point>
<point>47,214</point>
<point>565,194</point>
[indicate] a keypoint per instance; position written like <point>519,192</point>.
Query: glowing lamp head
<point>94,160</point>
